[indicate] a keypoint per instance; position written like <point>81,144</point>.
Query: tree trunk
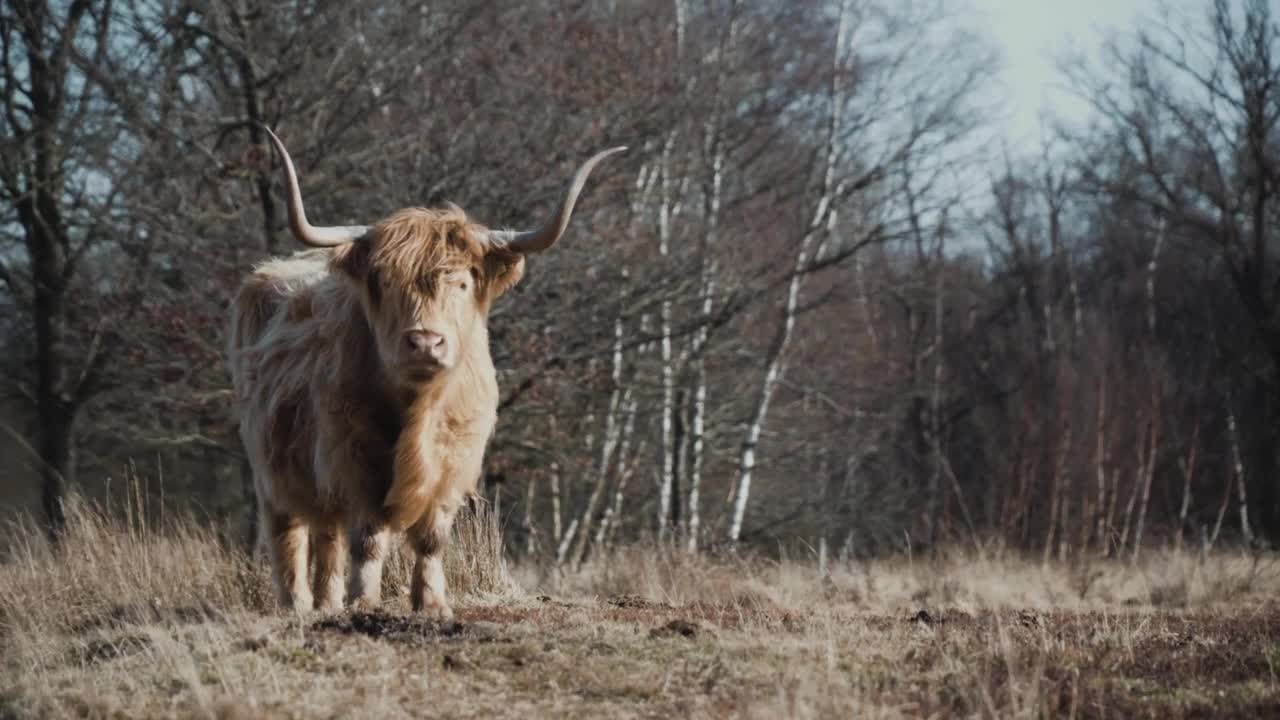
<point>773,372</point>
<point>623,466</point>
<point>37,189</point>
<point>530,528</point>
<point>695,463</point>
<point>612,427</point>
<point>667,479</point>
<point>713,151</point>
<point>1128,511</point>
<point>563,550</point>
<point>55,406</point>
<point>935,402</point>
<point>1222,513</point>
<point>679,446</point>
<point>782,337</point>
<point>1055,496</point>
<point>1188,468</point>
<point>57,455</point>
<point>1148,469</point>
<point>1100,466</point>
<point>1246,532</point>
<point>1108,523</point>
<point>557,533</point>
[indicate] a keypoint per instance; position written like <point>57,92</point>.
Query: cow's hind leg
<point>369,547</point>
<point>328,546</point>
<point>428,537</point>
<point>287,543</point>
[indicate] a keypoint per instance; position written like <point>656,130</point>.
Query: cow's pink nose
<point>425,342</point>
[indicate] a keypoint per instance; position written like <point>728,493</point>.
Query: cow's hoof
<point>297,605</point>
<point>436,611</point>
<point>366,603</point>
<point>330,607</point>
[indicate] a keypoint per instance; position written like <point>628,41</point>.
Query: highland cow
<point>366,392</point>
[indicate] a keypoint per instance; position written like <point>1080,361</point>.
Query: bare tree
<point>70,104</point>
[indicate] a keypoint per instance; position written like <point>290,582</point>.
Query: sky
<point>1030,33</point>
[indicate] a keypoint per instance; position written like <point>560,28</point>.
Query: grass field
<point>132,621</point>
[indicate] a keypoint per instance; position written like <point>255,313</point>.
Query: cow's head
<point>427,278</point>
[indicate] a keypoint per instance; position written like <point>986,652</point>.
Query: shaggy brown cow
<point>366,391</point>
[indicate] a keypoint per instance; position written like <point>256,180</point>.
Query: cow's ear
<point>352,262</point>
<point>352,259</point>
<point>502,270</point>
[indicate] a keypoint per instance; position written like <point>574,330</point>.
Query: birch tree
<point>775,353</point>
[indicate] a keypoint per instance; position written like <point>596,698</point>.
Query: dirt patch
<point>549,614</point>
<point>736,616</point>
<point>400,628</point>
<point>677,628</point>
<point>635,602</point>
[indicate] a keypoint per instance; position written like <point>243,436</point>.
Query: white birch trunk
<point>1152,267</point>
<point>531,545</point>
<point>557,532</point>
<point>667,478</point>
<point>1222,514</point>
<point>568,539</point>
<point>713,152</point>
<point>667,209</point>
<point>1188,469</point>
<point>624,469</point>
<point>1148,469</point>
<point>1101,458</point>
<point>610,441</point>
<point>693,506</point>
<point>777,349</point>
<point>1242,495</point>
<point>935,400</point>
<point>707,293</point>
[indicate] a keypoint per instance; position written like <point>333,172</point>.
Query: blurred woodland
<point>819,303</point>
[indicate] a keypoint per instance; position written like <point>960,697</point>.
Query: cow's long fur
<point>337,441</point>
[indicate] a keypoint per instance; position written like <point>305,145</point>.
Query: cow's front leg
<point>287,544</point>
<point>369,545</point>
<point>328,546</point>
<point>428,537</point>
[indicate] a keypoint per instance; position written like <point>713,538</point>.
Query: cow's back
<point>274,348</point>
<point>268,290</point>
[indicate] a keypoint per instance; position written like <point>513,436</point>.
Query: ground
<point>134,622</point>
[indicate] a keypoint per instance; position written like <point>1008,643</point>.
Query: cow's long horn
<point>538,240</point>
<point>305,232</point>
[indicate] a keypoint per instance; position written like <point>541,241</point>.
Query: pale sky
<point>1031,32</point>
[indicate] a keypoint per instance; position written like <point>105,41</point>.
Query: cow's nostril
<point>425,342</point>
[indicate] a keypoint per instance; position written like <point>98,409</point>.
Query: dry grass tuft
<point>135,619</point>
<point>122,589</point>
<point>954,579</point>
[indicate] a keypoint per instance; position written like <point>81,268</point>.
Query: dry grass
<point>125,620</point>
